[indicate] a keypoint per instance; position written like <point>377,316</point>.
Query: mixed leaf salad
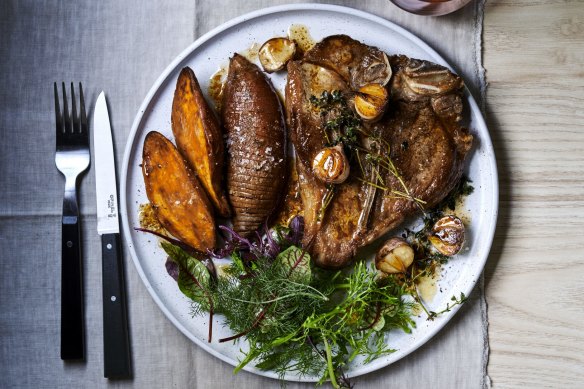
<point>298,318</point>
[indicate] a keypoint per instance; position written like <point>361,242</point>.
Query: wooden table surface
<point>534,57</point>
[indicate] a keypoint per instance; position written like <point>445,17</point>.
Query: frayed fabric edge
<point>480,76</point>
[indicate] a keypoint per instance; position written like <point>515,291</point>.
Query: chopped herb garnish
<point>340,124</point>
<point>463,188</point>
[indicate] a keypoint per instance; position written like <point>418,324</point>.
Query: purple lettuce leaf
<point>171,268</point>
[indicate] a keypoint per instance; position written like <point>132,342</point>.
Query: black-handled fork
<point>72,158</point>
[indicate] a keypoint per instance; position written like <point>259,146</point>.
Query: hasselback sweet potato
<point>178,199</point>
<point>199,137</point>
<point>256,145</point>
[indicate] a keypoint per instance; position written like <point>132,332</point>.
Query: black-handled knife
<point>116,342</point>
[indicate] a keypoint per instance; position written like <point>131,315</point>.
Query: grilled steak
<point>256,145</point>
<point>420,132</point>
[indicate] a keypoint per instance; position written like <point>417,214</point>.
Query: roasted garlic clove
<point>331,165</point>
<point>371,101</point>
<point>447,235</point>
<point>395,256</point>
<point>275,53</point>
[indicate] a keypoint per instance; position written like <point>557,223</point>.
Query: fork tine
<point>58,118</point>
<point>82,116</point>
<point>66,117</point>
<point>74,117</point>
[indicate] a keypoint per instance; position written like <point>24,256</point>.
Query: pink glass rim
<point>429,7</point>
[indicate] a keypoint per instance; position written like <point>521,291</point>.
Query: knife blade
<point>116,344</point>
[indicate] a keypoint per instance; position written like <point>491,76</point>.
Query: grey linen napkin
<point>122,48</point>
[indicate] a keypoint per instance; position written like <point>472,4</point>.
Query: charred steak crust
<point>428,146</point>
<point>256,145</point>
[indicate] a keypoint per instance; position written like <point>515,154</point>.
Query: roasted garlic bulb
<point>395,256</point>
<point>447,235</point>
<point>275,53</point>
<point>331,165</point>
<point>371,101</point>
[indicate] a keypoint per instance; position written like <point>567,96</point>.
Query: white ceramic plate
<point>213,50</point>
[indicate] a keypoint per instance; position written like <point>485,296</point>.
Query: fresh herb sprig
<point>297,318</point>
<point>301,319</point>
<point>380,162</point>
<point>357,324</point>
<point>320,327</point>
<point>428,260</point>
<point>342,126</point>
<point>455,301</point>
<point>329,194</point>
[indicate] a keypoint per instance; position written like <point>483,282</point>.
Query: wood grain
<point>534,57</point>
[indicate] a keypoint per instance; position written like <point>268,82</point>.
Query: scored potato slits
<point>256,145</point>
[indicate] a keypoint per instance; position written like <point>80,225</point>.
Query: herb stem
<point>329,362</point>
<point>419,300</point>
<point>375,319</point>
<point>210,265</point>
<point>207,295</point>
<point>322,297</point>
<point>326,200</point>
<point>254,325</point>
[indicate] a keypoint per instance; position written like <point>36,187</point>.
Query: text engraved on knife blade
<point>111,205</point>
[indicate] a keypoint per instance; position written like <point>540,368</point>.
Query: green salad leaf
<point>193,276</point>
<point>297,318</point>
<point>298,262</point>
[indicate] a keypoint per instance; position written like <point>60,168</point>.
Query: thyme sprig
<point>342,126</point>
<point>326,201</point>
<point>339,123</point>
<point>428,260</point>
<point>381,162</point>
<point>455,301</point>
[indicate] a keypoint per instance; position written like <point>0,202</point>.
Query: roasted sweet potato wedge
<point>256,145</point>
<point>199,138</point>
<point>178,199</point>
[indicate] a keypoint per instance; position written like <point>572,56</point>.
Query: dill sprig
<point>324,335</point>
<point>300,319</point>
<point>274,292</point>
<point>305,320</point>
